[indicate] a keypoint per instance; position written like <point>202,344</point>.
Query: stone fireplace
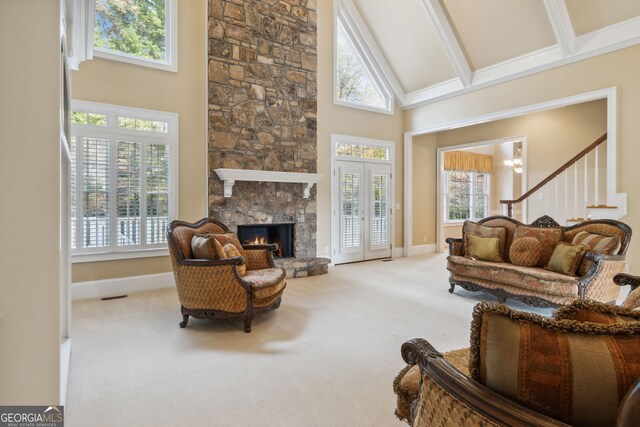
<point>262,112</point>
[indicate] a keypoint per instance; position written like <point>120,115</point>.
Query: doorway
<point>361,200</point>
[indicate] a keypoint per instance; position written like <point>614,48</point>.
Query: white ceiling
<point>428,50</point>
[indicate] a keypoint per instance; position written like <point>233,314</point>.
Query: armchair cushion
<point>575,372</point>
<point>265,283</point>
<point>597,243</point>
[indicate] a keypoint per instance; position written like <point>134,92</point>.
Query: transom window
<point>123,180</point>
<point>362,151</point>
<point>142,32</point>
<point>466,195</point>
<point>355,83</point>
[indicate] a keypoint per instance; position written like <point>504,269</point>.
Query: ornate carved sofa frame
<point>537,286</point>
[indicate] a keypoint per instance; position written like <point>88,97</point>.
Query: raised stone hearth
<point>302,267</point>
<point>262,112</point>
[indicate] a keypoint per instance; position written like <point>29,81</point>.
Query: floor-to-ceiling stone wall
<point>262,110</point>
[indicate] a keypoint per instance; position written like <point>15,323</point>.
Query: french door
<point>363,213</point>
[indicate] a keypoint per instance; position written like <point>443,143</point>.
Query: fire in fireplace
<point>260,234</point>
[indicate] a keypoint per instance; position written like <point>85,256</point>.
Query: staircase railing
<point>553,175</point>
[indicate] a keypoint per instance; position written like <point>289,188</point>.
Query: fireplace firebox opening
<point>260,234</point>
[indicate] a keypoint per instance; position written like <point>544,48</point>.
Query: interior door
<point>363,215</point>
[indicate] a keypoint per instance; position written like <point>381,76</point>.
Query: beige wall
<point>553,137</point>
<point>347,121</point>
<point>30,91</point>
<point>425,174</point>
<point>185,93</point>
<point>617,69</point>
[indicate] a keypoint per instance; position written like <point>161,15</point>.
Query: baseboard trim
<point>121,285</point>
<point>423,249</point>
<point>65,365</point>
<point>397,252</point>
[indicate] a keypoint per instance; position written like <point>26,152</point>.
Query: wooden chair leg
<point>247,323</point>
<point>185,319</point>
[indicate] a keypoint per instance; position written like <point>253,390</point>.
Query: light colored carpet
<point>326,357</point>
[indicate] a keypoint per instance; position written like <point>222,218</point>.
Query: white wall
<point>30,88</point>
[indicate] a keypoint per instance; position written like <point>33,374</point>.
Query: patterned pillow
<point>566,258</point>
<point>205,246</point>
<point>484,231</point>
<point>548,238</point>
<point>225,238</point>
<point>595,243</point>
<point>572,371</point>
<point>525,252</point>
<point>598,312</point>
<point>230,250</point>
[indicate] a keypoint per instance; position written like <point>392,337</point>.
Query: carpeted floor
<point>326,357</point>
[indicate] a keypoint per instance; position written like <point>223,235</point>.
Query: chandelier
<point>516,163</point>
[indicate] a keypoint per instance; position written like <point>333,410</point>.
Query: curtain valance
<point>465,161</point>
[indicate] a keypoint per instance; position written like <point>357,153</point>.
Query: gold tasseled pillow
<point>595,243</point>
<point>575,372</point>
<point>598,312</point>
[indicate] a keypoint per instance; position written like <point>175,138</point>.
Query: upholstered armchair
<point>222,287</point>
<point>580,367</point>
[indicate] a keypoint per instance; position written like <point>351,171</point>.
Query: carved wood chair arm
<point>623,279</point>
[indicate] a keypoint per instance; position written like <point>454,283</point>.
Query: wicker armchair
<point>213,288</point>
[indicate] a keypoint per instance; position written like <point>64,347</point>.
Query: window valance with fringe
<point>464,161</point>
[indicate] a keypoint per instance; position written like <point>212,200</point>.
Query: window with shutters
<point>123,181</point>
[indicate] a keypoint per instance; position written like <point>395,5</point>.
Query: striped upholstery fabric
<point>597,243</point>
<point>576,372</point>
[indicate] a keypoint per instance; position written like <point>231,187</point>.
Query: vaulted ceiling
<point>427,50</point>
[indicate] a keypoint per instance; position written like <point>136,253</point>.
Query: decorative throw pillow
<point>484,248</point>
<point>598,312</point>
<point>205,246</point>
<point>632,301</point>
<point>595,243</point>
<point>225,238</point>
<point>566,258</point>
<point>484,231</point>
<point>548,238</point>
<point>560,368</point>
<point>525,252</point>
<point>230,250</point>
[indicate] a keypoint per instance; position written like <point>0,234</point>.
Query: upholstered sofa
<point>536,284</point>
<point>578,368</point>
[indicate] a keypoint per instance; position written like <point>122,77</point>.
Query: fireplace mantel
<point>230,176</point>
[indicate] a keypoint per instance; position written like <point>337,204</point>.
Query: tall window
<point>123,180</point>
<point>143,32</point>
<point>466,195</point>
<point>355,84</point>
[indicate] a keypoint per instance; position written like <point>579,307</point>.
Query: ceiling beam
<point>451,45</point>
<point>561,24</point>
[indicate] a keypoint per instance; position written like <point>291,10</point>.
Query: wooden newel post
<point>510,210</point>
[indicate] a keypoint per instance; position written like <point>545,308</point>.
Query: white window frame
<point>472,208</point>
<point>113,132</point>
<point>171,44</point>
<point>342,16</point>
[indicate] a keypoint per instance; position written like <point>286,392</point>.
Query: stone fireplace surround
<point>263,115</point>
